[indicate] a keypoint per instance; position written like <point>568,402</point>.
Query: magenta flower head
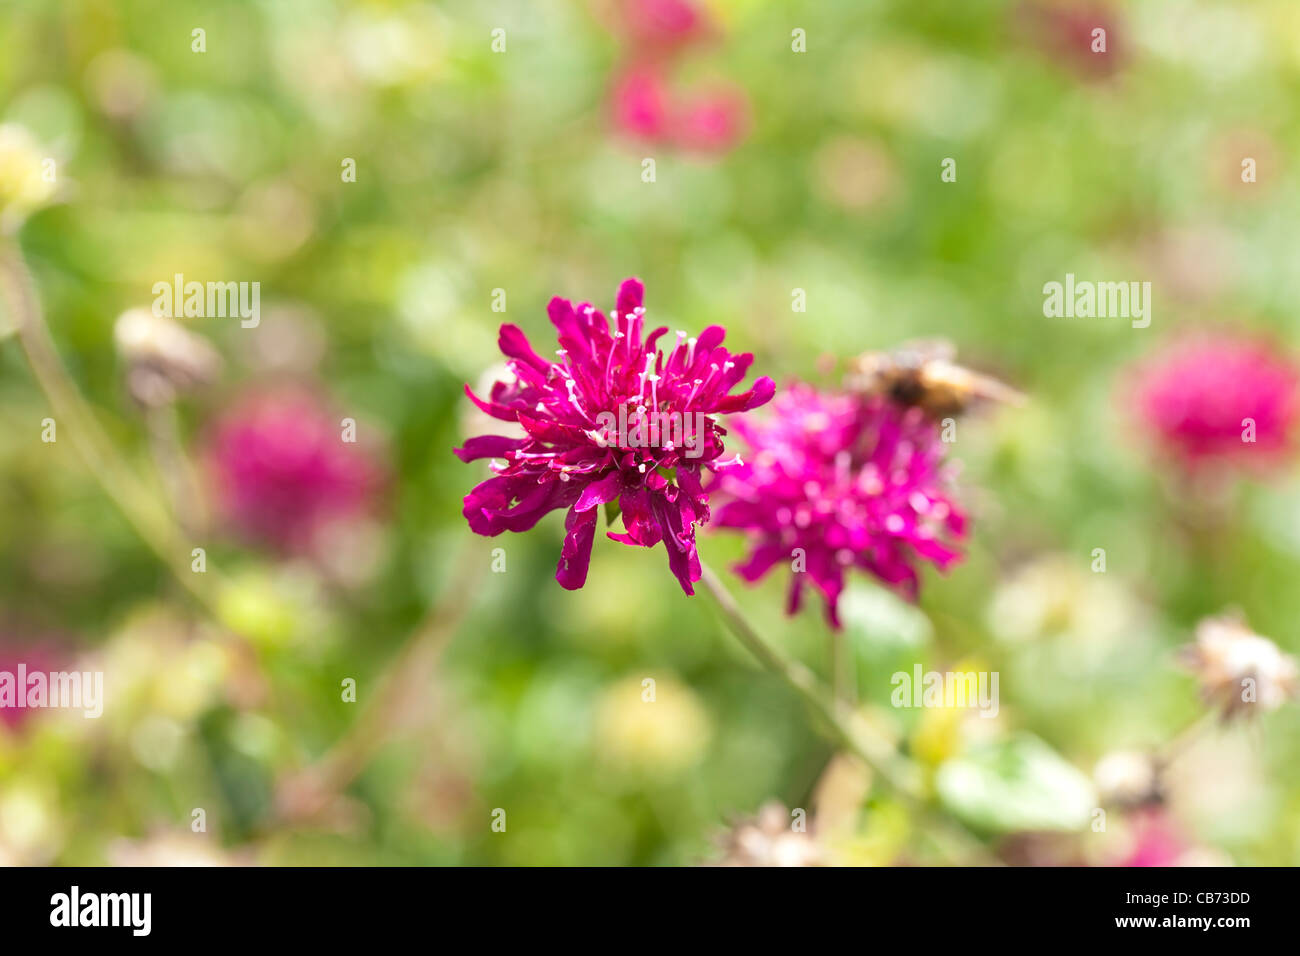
<point>1218,398</point>
<point>284,472</point>
<point>616,419</point>
<point>838,481</point>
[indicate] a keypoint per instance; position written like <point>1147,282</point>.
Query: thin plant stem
<point>879,754</point>
<point>137,503</point>
<point>841,724</point>
<point>176,470</point>
<point>1181,742</point>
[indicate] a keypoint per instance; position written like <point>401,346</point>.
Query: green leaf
<point>612,511</point>
<point>1016,784</point>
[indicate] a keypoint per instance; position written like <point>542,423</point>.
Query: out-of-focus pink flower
<point>1066,33</point>
<point>642,106</point>
<point>1156,841</point>
<point>36,658</point>
<point>1219,398</point>
<point>283,472</point>
<point>644,103</point>
<point>663,24</point>
<point>838,481</point>
<point>712,122</point>
<point>646,108</point>
<point>614,420</point>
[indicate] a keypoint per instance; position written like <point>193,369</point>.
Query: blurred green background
<point>479,171</point>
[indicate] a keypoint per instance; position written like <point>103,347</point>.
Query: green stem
<point>1182,741</point>
<point>138,504</point>
<point>844,726</point>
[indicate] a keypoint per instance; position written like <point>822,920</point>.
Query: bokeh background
<point>519,171</point>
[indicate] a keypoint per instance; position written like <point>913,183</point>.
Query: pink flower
<point>615,420</point>
<point>641,105</point>
<point>646,108</point>
<point>712,122</point>
<point>838,481</point>
<point>283,472</point>
<point>645,104</point>
<point>663,24</point>
<point>36,658</point>
<point>1206,398</point>
<point>1156,841</point>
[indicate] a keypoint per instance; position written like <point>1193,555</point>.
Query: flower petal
<point>683,560</point>
<point>488,446</point>
<point>513,343</point>
<point>631,295</point>
<point>761,561</point>
<point>638,518</point>
<point>762,392</point>
<point>494,409</point>
<point>575,557</point>
<point>599,492</point>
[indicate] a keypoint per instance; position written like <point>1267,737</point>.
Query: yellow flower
<point>27,176</point>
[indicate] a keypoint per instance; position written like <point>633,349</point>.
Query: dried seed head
<point>770,839</point>
<point>1238,668</point>
<point>163,359</point>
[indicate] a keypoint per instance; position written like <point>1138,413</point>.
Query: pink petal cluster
<point>841,481</point>
<point>646,108</point>
<point>712,121</point>
<point>577,454</point>
<point>642,105</point>
<point>645,104</point>
<point>664,25</point>
<point>282,472</point>
<point>1200,398</point>
<point>37,657</point>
